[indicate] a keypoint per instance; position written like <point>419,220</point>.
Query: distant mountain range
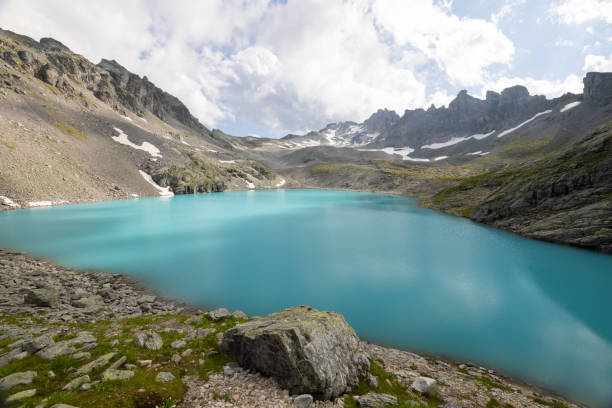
<point>72,131</point>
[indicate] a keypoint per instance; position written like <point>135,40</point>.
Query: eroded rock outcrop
<point>307,351</point>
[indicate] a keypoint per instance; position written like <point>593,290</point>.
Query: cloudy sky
<point>269,67</point>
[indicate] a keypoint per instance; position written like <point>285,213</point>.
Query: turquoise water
<point>401,275</point>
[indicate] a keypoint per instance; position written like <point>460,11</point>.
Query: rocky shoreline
<point>87,338</point>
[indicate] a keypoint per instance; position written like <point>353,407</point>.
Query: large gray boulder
<point>373,400</point>
<point>307,351</point>
<point>45,297</point>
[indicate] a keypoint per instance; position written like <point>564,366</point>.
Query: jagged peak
<point>52,44</point>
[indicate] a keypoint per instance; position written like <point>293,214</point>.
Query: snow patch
<point>570,106</point>
<point>401,151</point>
<point>281,183</point>
<point>249,184</point>
<point>163,191</point>
<point>146,146</point>
<point>474,153</point>
<point>127,118</point>
<point>505,132</point>
<point>415,159</point>
<point>440,158</point>
<point>455,140</point>
<point>40,203</point>
<point>227,161</point>
<point>10,203</point>
<point>134,195</point>
<point>143,119</point>
<point>211,150</point>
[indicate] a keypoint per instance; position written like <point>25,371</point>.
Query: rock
<point>307,351</point>
<point>14,379</point>
<point>118,363</point>
<point>218,314</point>
<point>372,381</point>
<point>230,369</point>
<point>88,302</point>
<point>39,343</point>
<point>178,344</point>
<point>146,299</point>
<point>201,333</point>
<point>145,363</point>
<point>373,400</point>
<point>186,353</point>
<point>149,340</point>
<point>239,314</point>
<point>76,383</point>
<point>424,385</point>
<point>82,355</point>
<point>45,297</point>
<point>63,406</point>
<point>117,375</point>
<point>164,377</point>
<point>58,349</point>
<point>21,395</point>
<point>175,358</point>
<point>452,405</point>
<point>303,401</point>
<point>97,363</point>
<point>13,355</point>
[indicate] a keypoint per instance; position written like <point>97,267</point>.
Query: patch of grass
<point>223,397</point>
<point>71,130</point>
<point>7,143</point>
<point>489,383</point>
<point>214,363</point>
<point>553,404</point>
<point>467,211</point>
<point>493,403</point>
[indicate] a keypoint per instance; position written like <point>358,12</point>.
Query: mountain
<point>343,134</point>
<point>72,130</point>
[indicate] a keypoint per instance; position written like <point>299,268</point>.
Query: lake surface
<point>401,275</point>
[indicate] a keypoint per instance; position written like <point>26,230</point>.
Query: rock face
<point>307,351</point>
<point>373,400</point>
<point>598,87</point>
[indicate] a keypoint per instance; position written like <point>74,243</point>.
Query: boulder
<point>76,383</point>
<point>38,343</point>
<point>239,314</point>
<point>97,363</point>
<point>20,395</point>
<point>58,349</point>
<point>117,375</point>
<point>178,344</point>
<point>13,355</point>
<point>149,340</point>
<point>164,377</point>
<point>218,314</point>
<point>146,299</point>
<point>14,379</point>
<point>303,401</point>
<point>88,302</point>
<point>373,400</point>
<point>424,385</point>
<point>44,297</point>
<point>307,351</point>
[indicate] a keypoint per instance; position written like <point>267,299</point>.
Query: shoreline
<point>137,300</point>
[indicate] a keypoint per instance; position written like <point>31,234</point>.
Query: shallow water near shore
<point>401,275</point>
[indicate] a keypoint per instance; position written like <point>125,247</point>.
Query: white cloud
<point>506,10</point>
<point>551,89</point>
<point>462,48</point>
<point>597,63</point>
<point>580,11</point>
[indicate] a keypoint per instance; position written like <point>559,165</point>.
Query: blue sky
<point>272,67</point>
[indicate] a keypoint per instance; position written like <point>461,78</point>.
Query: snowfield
<point>570,106</point>
<point>163,191</point>
<point>122,138</point>
<point>505,132</point>
<point>455,140</point>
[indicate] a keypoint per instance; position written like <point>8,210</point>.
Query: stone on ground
<point>60,348</point>
<point>178,344</point>
<point>117,375</point>
<point>307,351</point>
<point>303,401</point>
<point>76,383</point>
<point>218,314</point>
<point>44,297</point>
<point>149,340</point>
<point>14,379</point>
<point>97,363</point>
<point>164,376</point>
<point>21,395</point>
<point>373,400</point>
<point>424,385</point>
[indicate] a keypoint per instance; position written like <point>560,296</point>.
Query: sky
<point>272,67</point>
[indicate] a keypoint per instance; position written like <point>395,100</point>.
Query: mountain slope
<point>74,131</point>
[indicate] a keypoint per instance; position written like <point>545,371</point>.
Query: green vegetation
<point>493,403</point>
<point>553,404</point>
<point>388,384</point>
<point>118,336</point>
<point>71,130</point>
<point>489,383</point>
